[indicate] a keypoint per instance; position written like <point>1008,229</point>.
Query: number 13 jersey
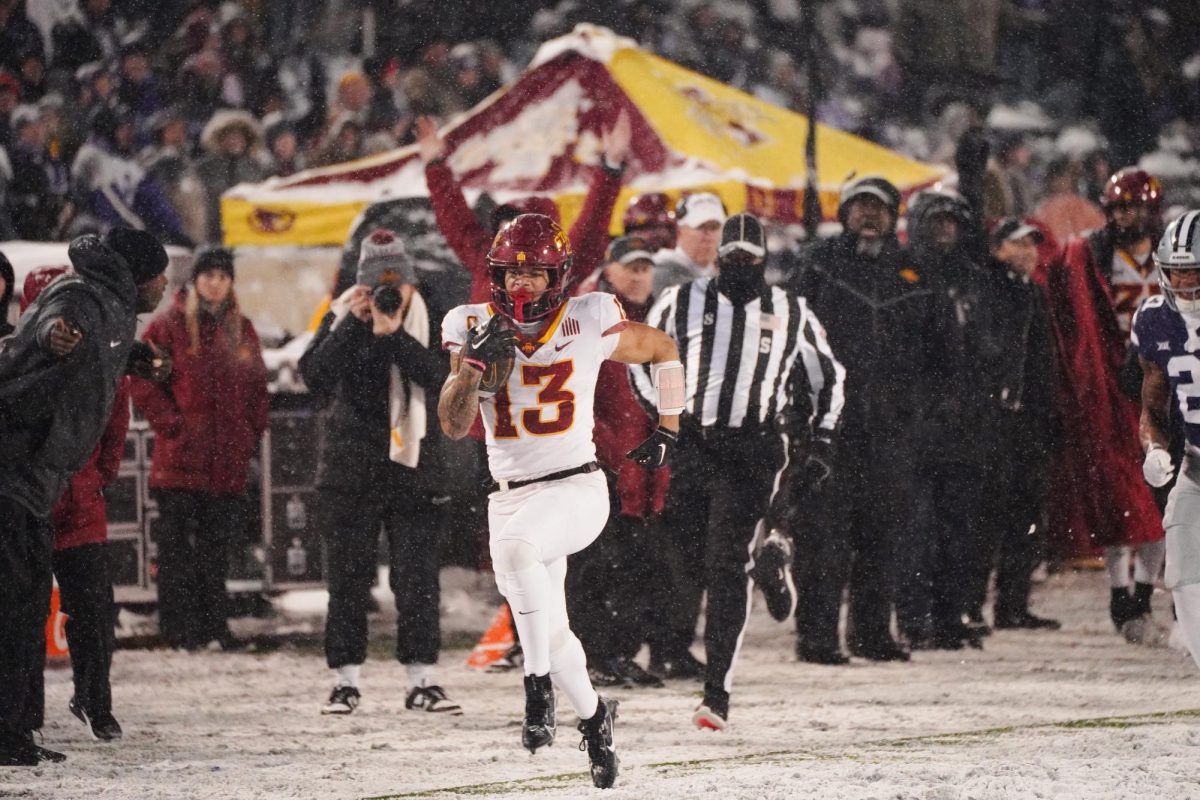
<point>541,421</point>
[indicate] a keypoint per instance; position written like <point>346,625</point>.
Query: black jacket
<point>53,410</point>
<point>881,319</point>
<point>6,296</point>
<point>352,365</point>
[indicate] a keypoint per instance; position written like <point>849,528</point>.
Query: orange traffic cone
<point>56,633</point>
<point>495,642</point>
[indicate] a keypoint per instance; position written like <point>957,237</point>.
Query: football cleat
<point>103,725</point>
<point>432,699</point>
<point>598,741</point>
<point>706,719</point>
<point>772,572</point>
<point>342,700</point>
<point>540,722</point>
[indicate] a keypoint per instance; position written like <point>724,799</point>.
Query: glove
<point>147,361</point>
<point>655,452</point>
<point>818,464</point>
<point>1157,468</point>
<point>489,343</point>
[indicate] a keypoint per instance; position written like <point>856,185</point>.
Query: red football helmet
<point>530,240</point>
<point>36,282</point>
<point>1133,186</point>
<point>652,217</point>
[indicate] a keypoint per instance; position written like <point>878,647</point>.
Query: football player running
<point>549,499</point>
<point>1166,332</point>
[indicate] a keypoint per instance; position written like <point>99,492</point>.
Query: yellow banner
<point>283,223</point>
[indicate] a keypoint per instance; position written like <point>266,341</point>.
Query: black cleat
<point>540,722</point>
<point>886,650</point>
<point>513,658</point>
<point>773,573</point>
<point>432,699</point>
<point>685,666</point>
<point>103,725</point>
<point>814,654</point>
<point>633,672</point>
<point>608,674</point>
<point>1121,607</point>
<point>1024,620</point>
<point>18,750</point>
<point>342,700</point>
<point>598,741</point>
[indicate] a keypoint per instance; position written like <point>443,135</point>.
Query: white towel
<point>406,400</point>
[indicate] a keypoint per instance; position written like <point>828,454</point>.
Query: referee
<point>748,349</point>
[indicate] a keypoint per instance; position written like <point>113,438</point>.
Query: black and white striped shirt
<point>740,361</point>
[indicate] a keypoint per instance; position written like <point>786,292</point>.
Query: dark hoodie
<point>53,410</point>
<point>6,275</point>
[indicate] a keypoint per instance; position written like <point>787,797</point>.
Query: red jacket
<point>622,424</point>
<point>471,243</point>
<point>1097,494</point>
<point>208,419</point>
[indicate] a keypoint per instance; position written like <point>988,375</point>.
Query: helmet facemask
<point>523,305</point>
<point>1179,251</point>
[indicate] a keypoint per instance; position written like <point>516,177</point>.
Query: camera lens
<point>386,299</point>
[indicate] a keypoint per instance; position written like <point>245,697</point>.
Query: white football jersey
<point>541,422</point>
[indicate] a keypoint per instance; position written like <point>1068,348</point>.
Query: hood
<point>37,281</point>
<point>95,260</point>
<point>225,119</point>
<point>7,275</point>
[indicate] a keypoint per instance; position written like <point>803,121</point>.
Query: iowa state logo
<point>723,117</point>
<point>271,220</point>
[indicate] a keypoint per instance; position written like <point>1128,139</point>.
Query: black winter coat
<point>53,410</point>
<point>352,365</point>
<point>881,318</point>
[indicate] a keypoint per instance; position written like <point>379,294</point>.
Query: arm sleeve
<point>589,234</point>
<point>325,360</point>
<point>73,305</point>
<point>823,373</point>
<point>464,234</point>
<point>454,330</point>
<point>153,399</point>
<point>661,316</point>
<point>112,441</point>
<point>612,320</point>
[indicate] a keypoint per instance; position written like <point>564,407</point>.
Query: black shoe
<point>342,700</point>
<point>955,637</point>
<point>712,714</point>
<point>1142,592</point>
<point>639,677</point>
<point>1121,607</point>
<point>432,699</point>
<point>18,750</point>
<point>513,658</point>
<point>103,725</point>
<point>773,573</point>
<point>885,650</point>
<point>540,723</point>
<point>607,674</point>
<point>685,666</point>
<point>598,741</point>
<point>1023,620</point>
<point>815,654</point>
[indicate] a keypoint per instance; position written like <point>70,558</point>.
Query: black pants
<point>25,584</point>
<point>727,476</point>
<point>1010,532</point>
<point>858,520</point>
<point>610,587</point>
<point>193,534</point>
<point>87,600</point>
<point>939,552</point>
<point>352,522</point>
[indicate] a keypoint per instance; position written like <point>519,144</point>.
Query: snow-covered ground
<point>1073,714</point>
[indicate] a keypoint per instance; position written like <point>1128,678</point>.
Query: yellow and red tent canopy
<point>539,136</point>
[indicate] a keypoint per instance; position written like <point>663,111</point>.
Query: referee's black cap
<point>743,232</point>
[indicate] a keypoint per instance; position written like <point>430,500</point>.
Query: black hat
<point>629,248</point>
<point>875,186</point>
<point>142,252</point>
<point>1012,228</point>
<point>743,232</point>
<point>213,258</point>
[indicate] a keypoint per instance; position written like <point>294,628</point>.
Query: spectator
<point>1063,211</point>
<point>229,140</point>
<point>33,75</point>
<point>343,142</point>
<point>207,422</point>
<point>698,220</point>
<point>17,34</point>
<point>248,69</point>
<point>138,88</point>
<point>79,527</point>
<point>58,380</point>
<point>110,189</point>
<point>353,101</point>
<point>376,353</point>
<point>57,156</point>
<point>284,147</point>
<point>430,86</point>
<point>167,159</point>
<point>1005,191</point>
<point>33,205</point>
<point>200,86</point>
<point>10,97</point>
<point>651,216</point>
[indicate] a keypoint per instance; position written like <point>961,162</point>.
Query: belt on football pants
<point>504,486</point>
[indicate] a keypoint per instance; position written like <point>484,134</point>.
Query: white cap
<point>697,209</point>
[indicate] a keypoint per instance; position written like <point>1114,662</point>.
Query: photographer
<point>377,355</point>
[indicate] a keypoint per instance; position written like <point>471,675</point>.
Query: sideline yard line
<point>544,783</point>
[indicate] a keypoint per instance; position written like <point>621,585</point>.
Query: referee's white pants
<point>532,530</point>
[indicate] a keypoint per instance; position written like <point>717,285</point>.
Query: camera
<point>386,298</point>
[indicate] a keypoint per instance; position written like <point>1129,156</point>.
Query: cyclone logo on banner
<point>271,220</point>
<point>725,118</point>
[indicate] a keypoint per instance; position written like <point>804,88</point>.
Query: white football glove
<point>1157,468</point>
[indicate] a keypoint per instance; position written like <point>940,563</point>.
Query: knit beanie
<point>142,252</point>
<point>213,258</point>
<point>383,259</point>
